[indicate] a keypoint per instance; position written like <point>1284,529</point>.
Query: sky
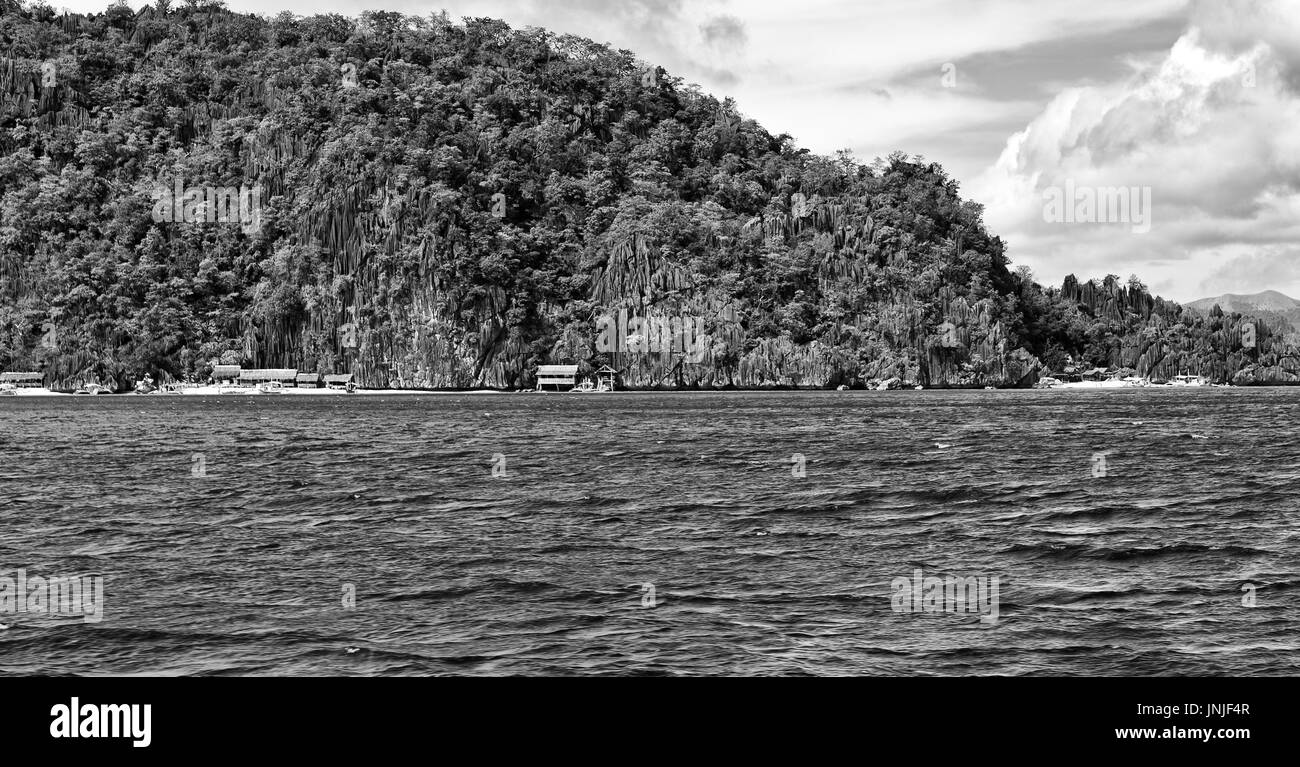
<point>1034,106</point>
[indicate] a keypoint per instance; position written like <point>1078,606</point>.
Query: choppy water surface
<point>755,571</point>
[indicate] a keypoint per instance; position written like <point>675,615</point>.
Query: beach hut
<point>284,376</point>
<point>225,374</point>
<point>338,381</point>
<point>24,380</point>
<point>556,375</point>
<point>308,381</point>
<point>605,378</point>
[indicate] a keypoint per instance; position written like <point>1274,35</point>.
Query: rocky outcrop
<point>1285,373</point>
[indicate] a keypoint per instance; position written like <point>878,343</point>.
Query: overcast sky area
<point>1199,101</point>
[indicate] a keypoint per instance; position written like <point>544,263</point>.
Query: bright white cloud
<point>1211,129</point>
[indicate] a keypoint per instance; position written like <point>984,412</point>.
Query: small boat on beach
<point>587,387</point>
<point>269,387</point>
<point>93,389</point>
<point>604,382</point>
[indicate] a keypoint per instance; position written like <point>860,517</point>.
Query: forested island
<point>431,203</point>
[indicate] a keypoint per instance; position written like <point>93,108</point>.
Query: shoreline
<point>212,391</point>
<point>206,391</point>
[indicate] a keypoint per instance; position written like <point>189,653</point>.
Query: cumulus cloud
<point>1210,128</point>
<point>1263,268</point>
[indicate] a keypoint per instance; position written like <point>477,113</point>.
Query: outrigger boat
<point>604,382</point>
<point>587,387</point>
<point>93,389</point>
<point>270,387</point>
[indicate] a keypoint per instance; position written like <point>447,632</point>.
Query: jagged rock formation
<point>1160,339</point>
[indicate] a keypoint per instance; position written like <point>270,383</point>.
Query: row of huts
<point>221,374</point>
<point>23,380</point>
<point>238,376</point>
<point>558,376</point>
<point>1075,375</point>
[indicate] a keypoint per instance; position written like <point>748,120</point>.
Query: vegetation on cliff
<point>430,203</point>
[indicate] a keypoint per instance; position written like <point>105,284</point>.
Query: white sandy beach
<point>214,391</point>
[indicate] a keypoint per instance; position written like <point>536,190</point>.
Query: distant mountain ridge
<point>1269,300</point>
<point>1266,304</point>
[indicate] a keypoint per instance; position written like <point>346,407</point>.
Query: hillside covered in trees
<point>432,203</point>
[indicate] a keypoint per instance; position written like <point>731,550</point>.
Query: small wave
<point>1067,551</point>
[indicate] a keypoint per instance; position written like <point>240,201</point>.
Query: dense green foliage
<point>452,204</point>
